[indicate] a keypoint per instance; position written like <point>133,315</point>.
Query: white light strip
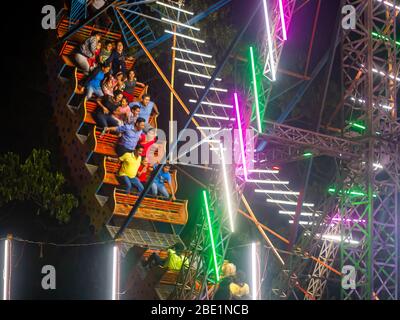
<point>294,193</point>
<point>227,189</point>
<point>267,181</point>
<point>203,87</point>
<point>209,128</point>
<point>254,271</point>
<point>389,4</point>
<point>180,24</point>
<point>377,166</point>
<point>307,223</point>
<point>195,63</point>
<point>292,203</point>
<point>213,104</point>
<point>263,171</point>
<point>269,39</point>
<point>6,271</point>
<point>175,8</point>
<point>363,102</point>
<point>115,274</point>
<point>198,74</point>
<point>192,52</point>
<point>305,214</point>
<point>335,238</point>
<point>199,115</point>
<point>184,36</point>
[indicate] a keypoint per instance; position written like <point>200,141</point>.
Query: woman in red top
<point>146,144</point>
<point>143,171</point>
<point>93,60</point>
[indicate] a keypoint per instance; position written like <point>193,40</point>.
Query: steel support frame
<point>376,259</point>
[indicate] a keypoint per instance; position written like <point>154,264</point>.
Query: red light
<point>276,168</point>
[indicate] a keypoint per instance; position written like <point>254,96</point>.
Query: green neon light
<point>211,235</point>
<point>357,125</point>
<point>307,154</point>
<point>349,192</point>
<point>253,71</point>
<point>382,37</point>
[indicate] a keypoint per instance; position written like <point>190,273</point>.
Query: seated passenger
<point>135,110</point>
<point>130,85</point>
<point>117,59</point>
<point>144,171</point>
<point>130,136</point>
<point>108,85</point>
<point>93,61</point>
<point>120,85</point>
<point>105,52</point>
<point>239,289</point>
<point>129,169</point>
<point>174,260</point>
<point>86,51</point>
<point>123,111</point>
<point>94,81</point>
<point>146,144</point>
<point>146,108</point>
<point>158,185</point>
<point>106,107</point>
<point>223,289</point>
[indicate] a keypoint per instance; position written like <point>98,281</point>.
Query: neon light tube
<point>304,214</point>
<point>292,203</point>
<point>211,235</point>
<point>192,52</point>
<point>197,86</point>
<point>269,39</point>
<point>263,171</point>
<point>226,186</point>
<point>207,116</point>
<point>175,8</point>
<point>184,36</point>
<point>180,24</point>
<point>303,223</point>
<point>241,139</point>
<point>254,271</point>
<point>253,71</point>
<point>284,33</point>
<point>267,181</point>
<point>389,4</point>
<point>198,74</point>
<point>195,63</point>
<point>336,238</point>
<point>209,128</point>
<point>294,193</point>
<point>213,104</point>
<point>115,274</point>
<point>6,274</point>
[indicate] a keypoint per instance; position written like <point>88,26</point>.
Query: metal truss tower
<point>371,78</point>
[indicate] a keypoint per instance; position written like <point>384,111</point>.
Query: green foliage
<point>34,181</point>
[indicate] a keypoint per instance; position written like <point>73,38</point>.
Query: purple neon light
<point>284,33</point>
<point>241,140</point>
<point>349,220</point>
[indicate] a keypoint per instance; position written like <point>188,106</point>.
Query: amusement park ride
<point>356,225</point>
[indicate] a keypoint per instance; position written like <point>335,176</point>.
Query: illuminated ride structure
<point>355,226</point>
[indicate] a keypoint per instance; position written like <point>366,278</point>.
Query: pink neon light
<point>241,140</point>
<point>284,33</point>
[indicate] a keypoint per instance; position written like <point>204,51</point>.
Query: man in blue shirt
<point>158,185</point>
<point>94,81</point>
<point>130,136</point>
<point>146,107</point>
